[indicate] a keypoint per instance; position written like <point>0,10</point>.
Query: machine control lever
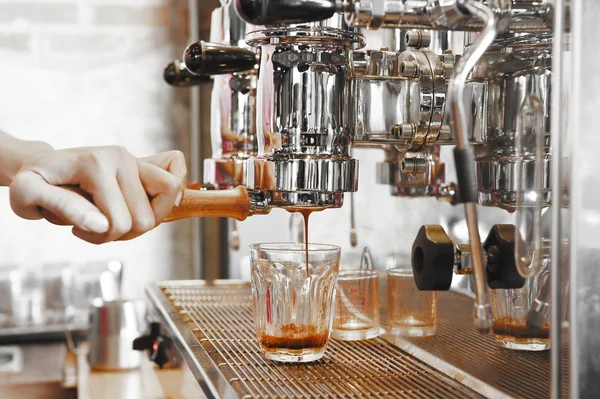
<point>155,344</point>
<point>237,203</point>
<point>435,257</point>
<point>501,268</point>
<point>272,12</point>
<point>205,58</point>
<point>176,74</point>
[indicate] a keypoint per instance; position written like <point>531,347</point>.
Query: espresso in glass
<point>292,299</point>
<point>511,311</point>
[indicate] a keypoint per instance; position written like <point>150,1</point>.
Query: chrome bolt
<point>405,131</point>
<point>412,166</point>
<point>418,38</point>
<point>445,133</point>
<point>448,70</point>
<point>409,69</point>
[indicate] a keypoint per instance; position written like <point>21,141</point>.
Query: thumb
<point>31,197</point>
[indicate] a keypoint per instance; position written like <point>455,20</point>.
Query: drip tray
<point>459,351</point>
<point>211,325</point>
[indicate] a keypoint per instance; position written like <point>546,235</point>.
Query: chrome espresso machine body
<point>474,116</point>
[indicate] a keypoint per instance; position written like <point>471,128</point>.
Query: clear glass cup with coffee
<point>293,299</point>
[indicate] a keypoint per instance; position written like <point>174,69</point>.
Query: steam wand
<point>464,156</point>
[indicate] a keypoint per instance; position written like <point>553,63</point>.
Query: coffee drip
<point>305,212</point>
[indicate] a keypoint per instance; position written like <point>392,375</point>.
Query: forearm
<point>14,153</point>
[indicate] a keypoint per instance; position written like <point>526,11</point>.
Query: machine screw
<point>448,70</point>
<point>404,131</point>
<point>445,133</point>
<point>409,69</point>
<point>418,38</point>
<point>412,166</point>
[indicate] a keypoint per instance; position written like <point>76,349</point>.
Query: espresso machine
<point>467,118</point>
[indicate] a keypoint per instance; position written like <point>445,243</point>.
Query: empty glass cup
<point>96,280</point>
<point>293,300</point>
<point>58,292</point>
<point>7,275</point>
<point>27,294</point>
<point>410,312</point>
<point>356,303</point>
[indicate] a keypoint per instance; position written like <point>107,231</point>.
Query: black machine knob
<point>500,250</point>
<point>433,259</point>
<point>274,12</point>
<point>204,58</point>
<point>176,74</point>
<point>155,344</point>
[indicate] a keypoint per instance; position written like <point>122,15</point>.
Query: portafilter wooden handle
<point>233,203</point>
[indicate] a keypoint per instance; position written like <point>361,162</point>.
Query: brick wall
<point>88,72</point>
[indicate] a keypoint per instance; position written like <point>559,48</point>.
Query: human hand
<point>105,193</point>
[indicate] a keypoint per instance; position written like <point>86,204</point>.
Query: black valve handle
<point>274,12</point>
<point>176,74</point>
<point>500,250</point>
<point>205,58</point>
<point>433,259</point>
<point>155,344</point>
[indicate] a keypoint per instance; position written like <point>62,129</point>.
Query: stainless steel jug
<point>113,327</point>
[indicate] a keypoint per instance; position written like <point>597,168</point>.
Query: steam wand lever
<point>272,12</point>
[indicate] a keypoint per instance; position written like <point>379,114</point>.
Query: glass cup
<point>58,291</point>
<point>293,300</point>
<point>27,297</point>
<point>411,313</point>
<point>356,305</point>
<point>7,275</point>
<point>521,318</point>
<point>96,280</point>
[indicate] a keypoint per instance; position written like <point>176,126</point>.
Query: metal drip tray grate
<point>213,328</point>
<point>458,349</point>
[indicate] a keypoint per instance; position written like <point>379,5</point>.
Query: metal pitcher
<point>113,327</point>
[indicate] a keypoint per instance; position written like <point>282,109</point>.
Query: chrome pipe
<point>557,370</point>
<point>195,165</point>
<point>465,159</point>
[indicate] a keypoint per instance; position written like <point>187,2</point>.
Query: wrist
<point>14,153</point>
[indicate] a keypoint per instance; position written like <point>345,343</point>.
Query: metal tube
<point>482,313</point>
<point>195,161</point>
<point>557,115</point>
<point>529,16</point>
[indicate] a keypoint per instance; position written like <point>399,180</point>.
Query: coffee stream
<point>306,214</point>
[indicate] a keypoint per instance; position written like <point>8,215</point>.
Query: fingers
<point>135,195</point>
<point>105,193</point>
<point>171,161</point>
<point>31,197</point>
<point>165,188</point>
